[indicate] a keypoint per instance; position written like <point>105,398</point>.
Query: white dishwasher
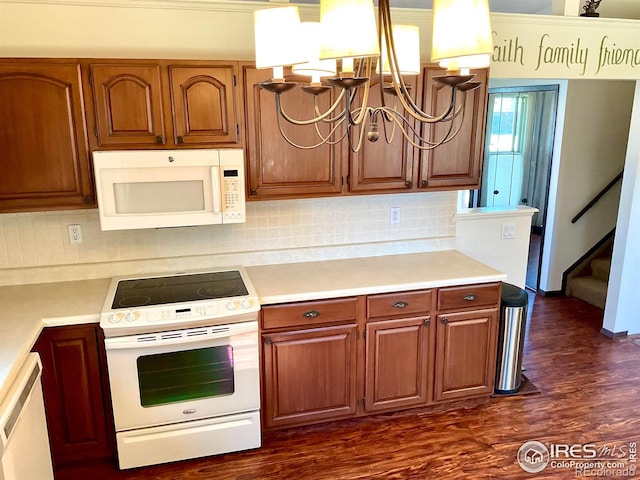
<point>24,442</point>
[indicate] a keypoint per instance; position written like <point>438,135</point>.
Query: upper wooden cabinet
<point>128,105</point>
<point>277,169</point>
<point>203,104</point>
<point>164,104</point>
<point>43,144</point>
<point>458,163</point>
<point>381,166</point>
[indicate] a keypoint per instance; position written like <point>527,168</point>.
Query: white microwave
<point>169,188</point>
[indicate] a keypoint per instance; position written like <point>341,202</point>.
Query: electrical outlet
<point>75,234</point>
<point>394,216</point>
<point>508,231</point>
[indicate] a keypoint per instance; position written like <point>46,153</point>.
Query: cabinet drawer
<point>469,296</point>
<point>309,313</point>
<point>398,304</point>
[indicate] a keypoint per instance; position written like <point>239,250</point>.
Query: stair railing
<point>595,200</point>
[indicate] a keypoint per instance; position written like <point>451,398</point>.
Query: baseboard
<point>613,335</point>
<point>551,293</point>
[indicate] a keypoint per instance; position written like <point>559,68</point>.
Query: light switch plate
<point>508,231</point>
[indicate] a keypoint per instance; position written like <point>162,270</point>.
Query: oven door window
<point>185,375</point>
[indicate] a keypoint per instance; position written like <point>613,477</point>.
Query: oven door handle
<point>180,337</point>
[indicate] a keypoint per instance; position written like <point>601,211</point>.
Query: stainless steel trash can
<point>511,330</point>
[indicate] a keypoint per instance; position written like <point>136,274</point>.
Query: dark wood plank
<point>589,389</point>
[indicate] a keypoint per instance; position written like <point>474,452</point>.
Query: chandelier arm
<point>360,134</point>
<point>365,97</point>
<point>311,121</point>
<point>397,81</point>
<point>420,141</point>
<point>323,141</point>
<point>338,117</point>
<point>403,124</point>
<point>334,127</point>
<point>408,103</point>
<point>388,118</point>
<point>451,112</point>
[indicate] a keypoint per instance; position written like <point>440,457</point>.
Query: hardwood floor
<point>589,391</point>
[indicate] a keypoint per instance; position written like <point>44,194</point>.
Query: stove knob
<point>231,306</point>
<point>132,316</point>
<point>246,304</point>
<point>115,317</point>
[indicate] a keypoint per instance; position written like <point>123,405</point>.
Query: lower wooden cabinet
<point>466,354</point>
<point>339,358</point>
<point>77,403</point>
<point>397,364</point>
<point>310,375</point>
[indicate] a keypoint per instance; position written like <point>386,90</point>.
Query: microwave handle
<point>172,338</point>
<point>215,187</point>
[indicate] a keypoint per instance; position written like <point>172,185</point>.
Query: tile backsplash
<point>41,239</point>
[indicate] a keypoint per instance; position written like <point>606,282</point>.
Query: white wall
<point>479,234</point>
<point>621,309</point>
<point>593,149</point>
<point>589,150</point>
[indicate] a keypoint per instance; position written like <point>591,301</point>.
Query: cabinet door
<point>457,163</point>
<point>381,165</point>
<point>466,354</point>
<point>397,363</point>
<point>277,169</point>
<point>79,416</point>
<point>309,375</point>
<point>43,144</point>
<point>203,104</point>
<point>127,100</point>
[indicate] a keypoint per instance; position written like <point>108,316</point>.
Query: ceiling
<point>541,7</point>
<point>629,9</point>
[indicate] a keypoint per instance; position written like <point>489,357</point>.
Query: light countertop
<point>26,309</point>
<point>291,282</point>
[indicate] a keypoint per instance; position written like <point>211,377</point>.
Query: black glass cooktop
<point>176,289</point>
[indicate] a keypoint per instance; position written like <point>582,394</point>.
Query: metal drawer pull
<point>311,314</point>
<point>469,298</point>
<point>427,322</point>
<point>445,320</point>
<point>400,305</point>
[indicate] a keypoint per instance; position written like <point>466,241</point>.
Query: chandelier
<point>348,48</point>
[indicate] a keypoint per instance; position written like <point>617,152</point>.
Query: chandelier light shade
<point>407,42</point>
<point>348,29</point>
<point>349,32</point>
<point>461,34</point>
<point>313,67</point>
<point>274,28</point>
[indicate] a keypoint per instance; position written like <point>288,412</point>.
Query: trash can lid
<point>513,296</point>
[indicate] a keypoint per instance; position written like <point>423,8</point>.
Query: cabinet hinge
<point>348,179</point>
<point>237,129</point>
<point>90,79</point>
<point>95,131</point>
<point>235,80</point>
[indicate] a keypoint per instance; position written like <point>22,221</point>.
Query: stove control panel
<point>171,314</point>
